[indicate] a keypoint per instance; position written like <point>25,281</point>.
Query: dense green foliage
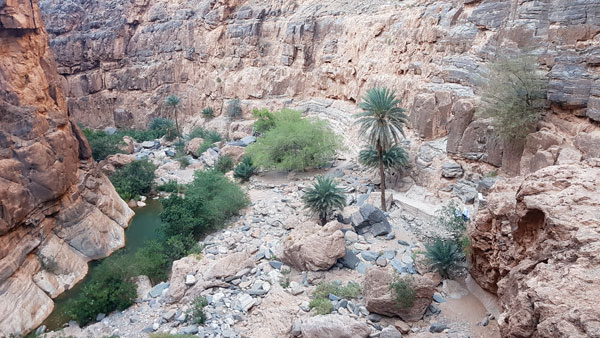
<point>234,109</point>
<point>382,125</point>
<point>294,143</point>
<point>152,261</point>
<point>208,113</point>
<point>197,311</point>
<point>162,127</point>
<point>245,169</point>
<point>134,179</point>
<point>103,144</point>
<point>514,97</point>
<point>211,136</point>
<point>323,197</point>
<point>443,255</point>
<point>265,120</point>
<point>209,200</point>
<point>174,102</point>
<point>403,290</point>
<point>171,186</point>
<point>109,289</point>
<point>320,301</point>
<point>224,164</point>
<point>393,158</point>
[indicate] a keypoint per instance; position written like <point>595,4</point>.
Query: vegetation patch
<point>403,290</point>
<point>134,179</point>
<point>245,169</point>
<point>443,255</point>
<point>197,311</point>
<point>294,143</point>
<point>320,301</point>
<point>224,164</point>
<point>323,197</point>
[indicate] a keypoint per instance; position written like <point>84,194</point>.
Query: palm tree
<point>323,197</point>
<point>382,124</point>
<point>174,102</point>
<point>395,157</point>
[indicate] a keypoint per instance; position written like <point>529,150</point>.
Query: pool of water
<point>143,227</point>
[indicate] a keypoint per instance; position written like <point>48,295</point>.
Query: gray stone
<point>276,264</point>
<point>369,256</point>
<point>437,327</point>
<point>465,190</point>
<point>169,315</point>
<point>190,280</point>
<point>190,329</point>
<point>375,318</point>
<point>381,228</point>
<point>485,321</point>
<point>381,261</point>
<point>170,153</point>
<point>390,332</point>
<point>401,242</point>
<point>158,289</point>
<point>389,254</point>
<point>350,260</point>
<point>296,328</point>
<point>333,297</point>
<point>100,316</point>
<point>148,144</point>
<point>486,184</point>
<point>452,169</point>
<point>245,303</point>
<point>390,236</point>
<point>246,141</point>
<point>438,298</point>
<point>110,130</point>
<point>362,267</point>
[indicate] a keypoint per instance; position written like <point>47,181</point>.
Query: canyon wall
<point>121,59</point>
<point>57,211</point>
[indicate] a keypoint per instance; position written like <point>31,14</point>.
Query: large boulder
<point>379,297</point>
<point>314,248</point>
<point>332,325</point>
<point>235,152</point>
<point>193,145</point>
<point>536,245</point>
<point>114,162</point>
<point>370,219</point>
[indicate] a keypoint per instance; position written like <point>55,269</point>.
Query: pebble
<point>437,327</point>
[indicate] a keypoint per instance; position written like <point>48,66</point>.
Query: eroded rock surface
<point>57,210</point>
<point>536,245</point>
<point>310,247</point>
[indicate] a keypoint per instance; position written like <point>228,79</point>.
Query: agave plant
<point>381,123</point>
<point>443,255</point>
<point>245,169</point>
<point>324,197</point>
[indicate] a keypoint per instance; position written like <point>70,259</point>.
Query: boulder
<point>235,152</point>
<point>452,169</point>
<point>209,157</point>
<point>328,326</point>
<point>370,219</point>
<point>114,162</point>
<point>465,190</point>
<point>314,248</point>
<point>128,146</point>
<point>193,145</point>
<point>379,298</point>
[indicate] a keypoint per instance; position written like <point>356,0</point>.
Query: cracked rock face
<point>57,211</point>
<point>536,245</point>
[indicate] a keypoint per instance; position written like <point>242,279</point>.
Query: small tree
<point>382,124</point>
<point>324,197</point>
<point>174,102</point>
<point>394,158</point>
<point>234,109</point>
<point>443,255</point>
<point>514,96</point>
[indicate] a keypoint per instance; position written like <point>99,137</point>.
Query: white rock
<point>190,280</point>
<point>140,204</point>
<point>245,302</point>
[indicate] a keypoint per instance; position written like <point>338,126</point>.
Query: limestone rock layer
<point>57,211</point>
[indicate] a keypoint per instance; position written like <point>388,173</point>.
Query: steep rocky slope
<point>56,210</point>
<point>122,58</point>
<point>536,245</point>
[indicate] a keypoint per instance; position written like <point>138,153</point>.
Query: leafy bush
<point>245,169</point>
<point>211,136</point>
<point>350,291</point>
<point>204,147</point>
<point>171,186</point>
<point>322,306</point>
<point>265,120</point>
<point>443,255</point>
<point>294,143</point>
<point>208,113</point>
<point>394,158</point>
<point>450,217</point>
<point>209,200</point>
<point>103,144</point>
<point>134,179</point>
<point>234,109</point>
<point>163,127</point>
<point>224,164</point>
<point>152,261</point>
<point>197,311</point>
<point>324,197</point>
<point>109,289</point>
<point>514,97</point>
<point>179,246</point>
<point>403,290</point>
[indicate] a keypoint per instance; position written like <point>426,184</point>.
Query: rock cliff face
<point>537,245</point>
<point>122,58</point>
<point>57,211</point>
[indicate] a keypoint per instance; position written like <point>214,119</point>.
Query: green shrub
<point>209,201</point>
<point>152,261</point>
<point>514,97</point>
<point>208,113</point>
<point>324,197</point>
<point>224,164</point>
<point>184,161</point>
<point>102,144</point>
<point>322,306</point>
<point>134,179</point>
<point>234,109</point>
<point>265,120</point>
<point>450,217</point>
<point>109,289</point>
<point>245,169</point>
<point>163,127</point>
<point>395,158</point>
<point>443,255</point>
<point>294,143</point>
<point>403,290</point>
<point>171,186</point>
<point>197,311</point>
<point>350,291</point>
<point>179,246</point>
<point>211,136</point>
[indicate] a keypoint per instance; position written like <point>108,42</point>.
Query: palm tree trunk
<point>177,125</point>
<point>382,176</point>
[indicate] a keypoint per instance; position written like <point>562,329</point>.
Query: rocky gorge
<point>534,206</point>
